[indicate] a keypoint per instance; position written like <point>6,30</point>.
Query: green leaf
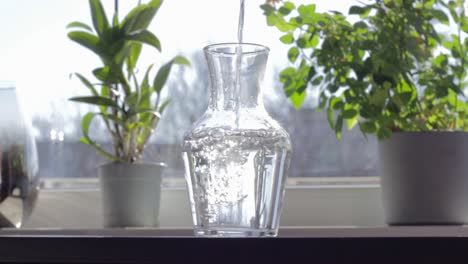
<point>164,105</point>
<point>330,118</point>
<point>313,41</point>
<point>289,5</point>
<point>306,10</point>
<point>452,98</point>
<point>267,9</point>
<point>455,52</point>
<point>352,122</point>
<point>96,100</point>
<point>163,73</point>
<point>85,140</point>
<point>441,60</point>
<point>287,8</point>
<point>115,21</point>
<point>132,58</point>
<point>145,37</point>
<point>287,78</point>
<point>357,10</point>
<point>402,99</point>
<point>284,11</point>
<point>181,61</point>
<point>89,41</point>
<point>287,39</point>
<point>114,119</point>
<point>293,53</point>
<point>297,99</point>
<point>85,124</point>
<point>311,73</point>
<point>87,83</point>
<point>464,25</point>
<point>384,133</point>
<point>140,110</point>
<point>107,75</point>
<point>132,101</point>
<point>322,100</point>
<point>317,81</point>
<point>80,25</point>
<point>350,113</point>
<point>279,22</point>
<point>339,126</point>
<point>368,127</point>
<point>287,73</point>
<point>145,83</point>
<point>146,90</point>
<point>122,54</point>
<point>105,92</point>
<point>447,44</point>
<point>336,103</point>
<point>98,15</point>
<point>440,15</point>
<point>378,98</point>
<point>301,42</point>
<point>140,17</point>
<point>369,111</point>
<point>360,25</point>
<point>332,88</point>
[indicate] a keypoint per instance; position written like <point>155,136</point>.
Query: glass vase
<point>236,156</point>
<point>19,182</point>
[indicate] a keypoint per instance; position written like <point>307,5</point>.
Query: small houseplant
<point>395,69</point>
<point>130,109</point>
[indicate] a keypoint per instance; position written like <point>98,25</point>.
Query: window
<point>36,54</point>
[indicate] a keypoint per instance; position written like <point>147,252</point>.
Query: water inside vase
<point>237,179</point>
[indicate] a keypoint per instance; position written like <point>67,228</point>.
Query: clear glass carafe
<point>236,156</point>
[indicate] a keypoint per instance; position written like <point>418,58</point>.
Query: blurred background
<point>37,56</point>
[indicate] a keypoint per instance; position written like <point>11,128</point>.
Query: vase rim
<point>223,49</point>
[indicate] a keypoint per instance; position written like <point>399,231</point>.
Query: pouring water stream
<point>238,87</point>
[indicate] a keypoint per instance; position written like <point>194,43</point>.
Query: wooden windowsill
<point>425,244</point>
<point>286,232</point>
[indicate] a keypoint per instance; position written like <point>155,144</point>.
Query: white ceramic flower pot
<point>424,177</point>
<point>130,194</point>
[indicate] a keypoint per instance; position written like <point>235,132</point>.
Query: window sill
<point>308,202</point>
<point>284,232</point>
<point>294,245</point>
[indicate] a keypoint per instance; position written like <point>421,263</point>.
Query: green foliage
<point>125,105</point>
<point>384,67</point>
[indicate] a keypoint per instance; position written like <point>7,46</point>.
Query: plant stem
<point>119,144</point>
<point>147,133</point>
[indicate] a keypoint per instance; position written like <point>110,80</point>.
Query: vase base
<point>235,232</point>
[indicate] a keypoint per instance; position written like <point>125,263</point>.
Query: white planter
<point>424,177</point>
<point>130,194</point>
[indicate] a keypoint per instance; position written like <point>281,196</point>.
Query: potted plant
<point>397,70</point>
<point>130,109</point>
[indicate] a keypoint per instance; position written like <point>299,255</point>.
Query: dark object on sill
<point>424,178</point>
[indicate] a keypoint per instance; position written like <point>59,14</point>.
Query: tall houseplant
<point>395,69</point>
<point>129,108</point>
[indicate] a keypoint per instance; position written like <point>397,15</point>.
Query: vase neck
<point>236,73</point>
